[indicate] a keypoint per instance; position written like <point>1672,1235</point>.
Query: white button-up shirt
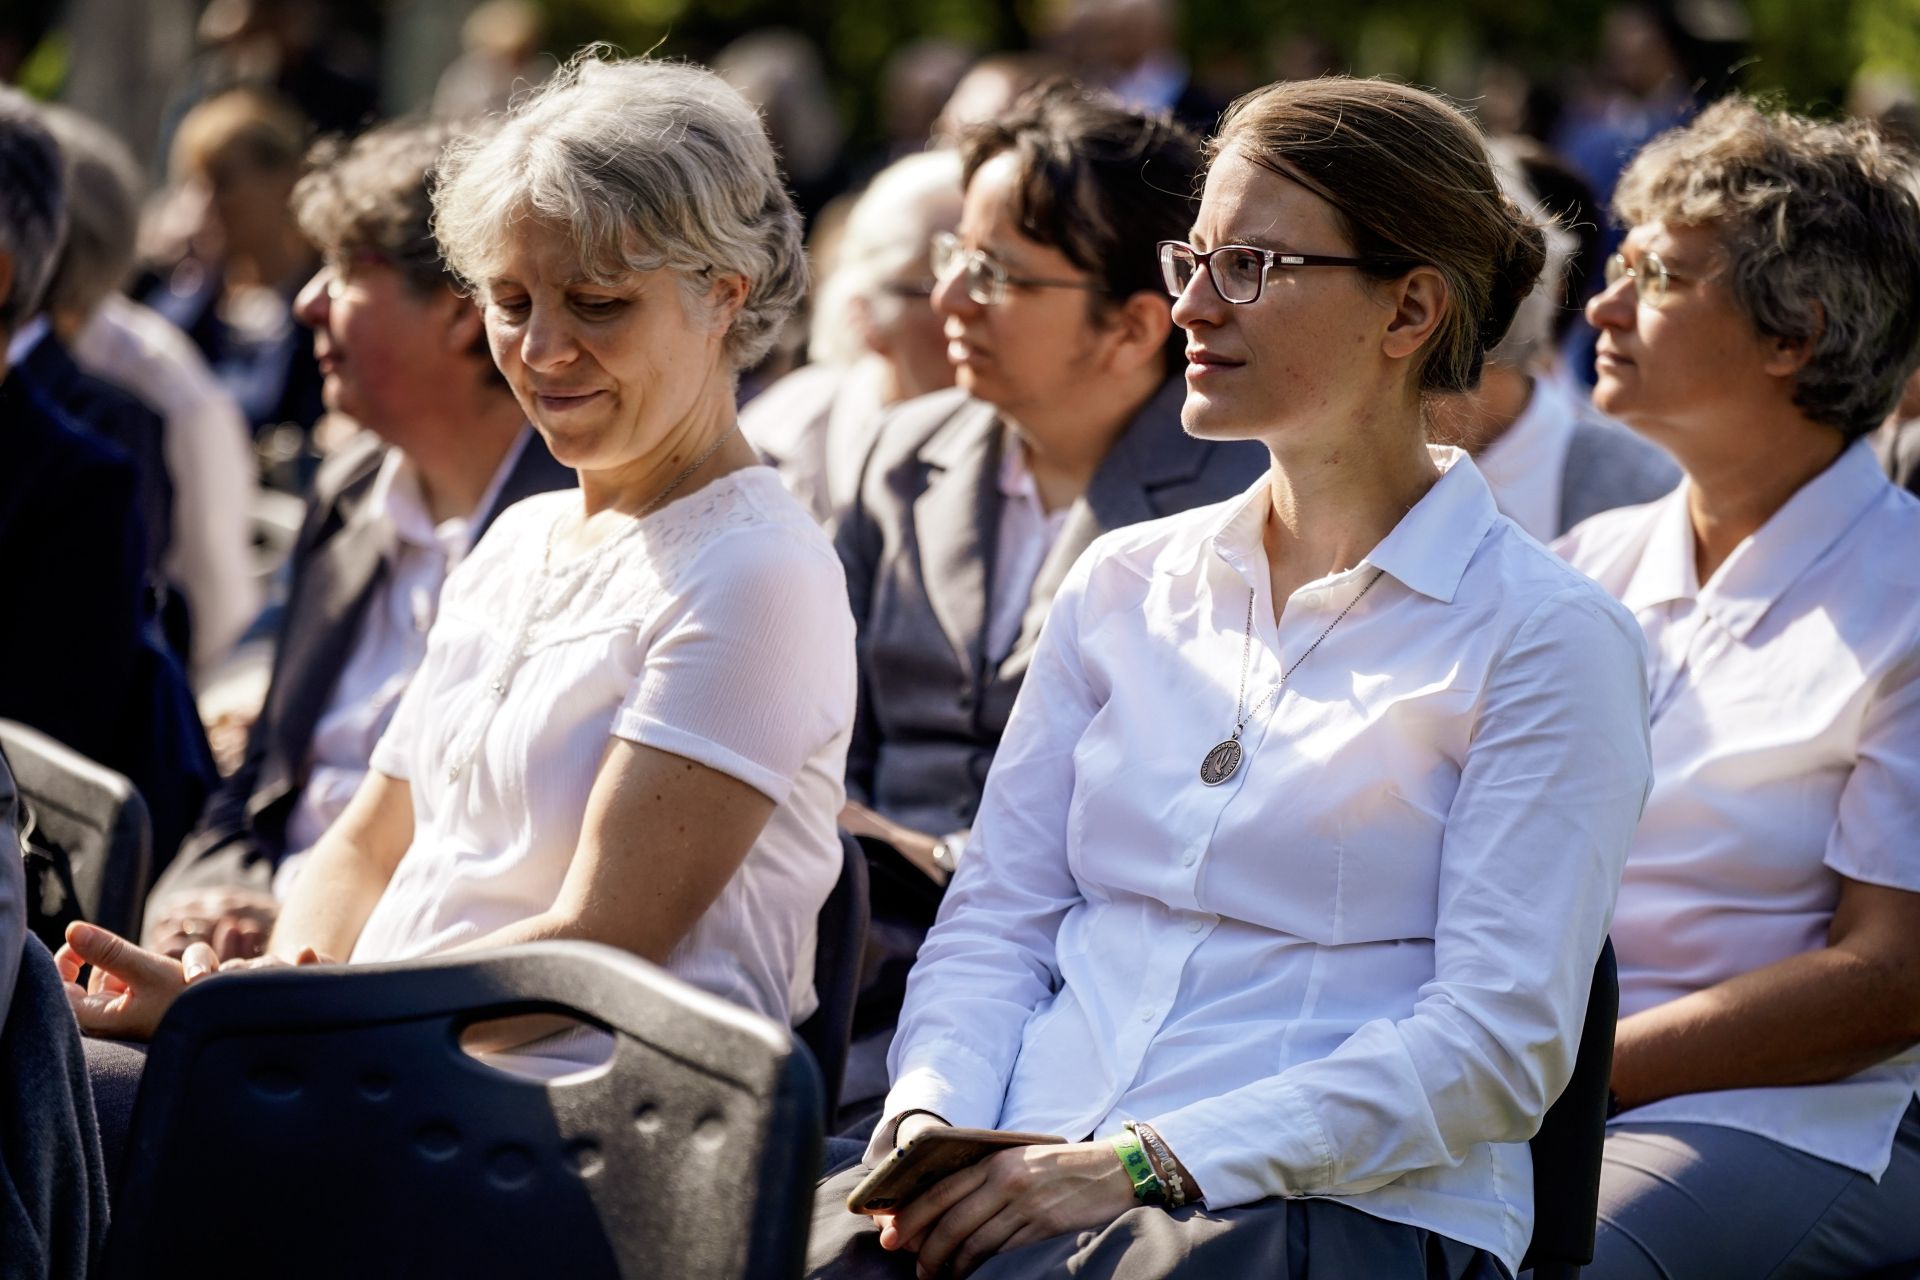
<point>1786,748</point>
<point>1026,535</point>
<point>1358,967</point>
<point>391,642</point>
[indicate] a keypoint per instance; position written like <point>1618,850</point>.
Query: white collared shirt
<point>1786,741</point>
<point>1525,467</point>
<point>1359,966</point>
<point>391,642</point>
<point>1026,535</point>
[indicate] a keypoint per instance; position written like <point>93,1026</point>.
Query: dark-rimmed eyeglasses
<point>984,279</point>
<point>1650,276</point>
<point>1238,271</point>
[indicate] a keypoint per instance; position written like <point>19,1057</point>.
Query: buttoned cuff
<point>1238,1158</point>
<point>960,1087</point>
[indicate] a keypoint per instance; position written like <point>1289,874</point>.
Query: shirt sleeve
<point>989,960</point>
<point>393,753</point>
<point>751,673</point>
<point>1554,779</point>
<point>1873,839</point>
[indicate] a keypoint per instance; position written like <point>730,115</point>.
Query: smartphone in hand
<point>929,1156</point>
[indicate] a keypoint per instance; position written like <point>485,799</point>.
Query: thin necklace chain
<point>1246,656</point>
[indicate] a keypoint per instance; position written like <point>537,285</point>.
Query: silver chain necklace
<point>1223,761</point>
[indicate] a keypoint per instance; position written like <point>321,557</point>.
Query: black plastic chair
<point>91,817</point>
<point>325,1122</point>
<point>837,957</point>
<point>1567,1150</point>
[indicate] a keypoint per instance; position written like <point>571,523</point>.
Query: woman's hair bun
<point>1516,269</point>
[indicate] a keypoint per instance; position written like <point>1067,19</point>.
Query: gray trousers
<point>1273,1240</point>
<point>1705,1202</point>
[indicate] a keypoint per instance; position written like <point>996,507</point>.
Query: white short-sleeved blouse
<point>716,628</point>
<point>1356,968</point>
<point>1786,754</point>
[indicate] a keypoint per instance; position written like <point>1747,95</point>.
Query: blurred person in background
<point>1131,48</point>
<point>1759,325</point>
<point>876,339</point>
<point>243,256</point>
<point>915,83</point>
<point>1549,457</point>
<point>446,448</point>
<point>989,90</point>
<point>291,49</point>
<point>208,453</point>
<point>70,534</point>
<point>783,75</point>
<point>501,53</point>
<point>974,502</point>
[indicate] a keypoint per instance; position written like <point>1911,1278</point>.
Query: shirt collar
<point>1426,552</point>
<point>396,498</point>
<point>1665,572</point>
<point>1777,554</point>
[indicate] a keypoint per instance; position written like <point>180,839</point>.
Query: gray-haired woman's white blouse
<point>1358,968</point>
<point>717,629</point>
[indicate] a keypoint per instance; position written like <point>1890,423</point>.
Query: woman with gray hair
<point>875,337</point>
<point>1759,323</point>
<point>632,717</point>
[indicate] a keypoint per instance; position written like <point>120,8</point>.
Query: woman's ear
<point>1419,300</point>
<point>726,296</point>
<point>1787,356</point>
<point>464,326</point>
<point>1138,327</point>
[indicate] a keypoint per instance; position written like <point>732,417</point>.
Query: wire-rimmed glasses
<point>984,279</point>
<point>1650,276</point>
<point>1238,271</point>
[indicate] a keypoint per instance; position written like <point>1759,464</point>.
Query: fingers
<point>973,1229</point>
<point>927,1208</point>
<point>239,937</point>
<point>109,952</point>
<point>990,1237</point>
<point>69,963</point>
<point>199,961</point>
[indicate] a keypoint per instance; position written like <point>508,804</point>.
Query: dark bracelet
<point>1164,1167</point>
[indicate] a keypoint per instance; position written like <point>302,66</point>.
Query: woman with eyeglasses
<point>1284,898</point>
<point>1759,323</point>
<point>974,503</point>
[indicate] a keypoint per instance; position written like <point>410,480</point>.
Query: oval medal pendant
<point>1221,763</point>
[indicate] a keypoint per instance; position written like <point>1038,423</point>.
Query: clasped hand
<point>1012,1198</point>
<point>132,988</point>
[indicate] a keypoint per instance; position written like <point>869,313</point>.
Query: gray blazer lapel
<point>1152,453</point>
<point>955,519</point>
<point>314,646</point>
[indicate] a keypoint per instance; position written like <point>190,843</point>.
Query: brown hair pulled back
<point>1409,178</point>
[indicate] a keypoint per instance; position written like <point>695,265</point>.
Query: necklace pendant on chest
<point>1221,763</point>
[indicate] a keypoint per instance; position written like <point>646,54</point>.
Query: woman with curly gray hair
<point>631,722</point>
<point>1759,323</point>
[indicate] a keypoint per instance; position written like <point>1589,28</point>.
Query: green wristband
<point>1133,1158</point>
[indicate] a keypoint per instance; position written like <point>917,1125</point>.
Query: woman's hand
<point>1010,1199</point>
<point>915,846</point>
<point>130,988</point>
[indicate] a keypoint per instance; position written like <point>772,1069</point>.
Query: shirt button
<point>453,773</point>
<point>1146,1015</point>
<point>1193,856</point>
<point>1196,924</point>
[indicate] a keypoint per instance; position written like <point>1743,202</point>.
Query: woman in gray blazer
<point>975,502</point>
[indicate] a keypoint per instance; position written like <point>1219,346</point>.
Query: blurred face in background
<point>244,210</point>
<point>1033,349</point>
<point>389,353</point>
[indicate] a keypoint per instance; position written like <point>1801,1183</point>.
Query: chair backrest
<point>837,957</point>
<point>89,813</point>
<point>325,1122</point>
<point>1567,1150</point>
